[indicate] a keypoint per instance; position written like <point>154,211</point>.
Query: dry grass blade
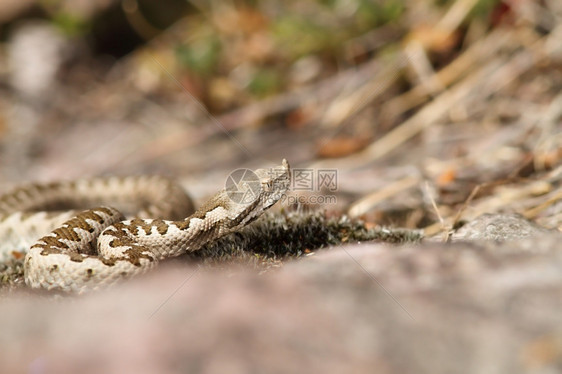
<point>463,65</point>
<point>366,203</point>
<point>483,82</point>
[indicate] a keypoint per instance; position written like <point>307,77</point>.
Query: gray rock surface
<point>499,227</point>
<point>435,308</point>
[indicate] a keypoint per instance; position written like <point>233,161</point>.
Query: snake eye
<point>267,184</point>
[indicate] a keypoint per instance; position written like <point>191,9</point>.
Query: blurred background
<point>430,111</point>
<point>421,114</point>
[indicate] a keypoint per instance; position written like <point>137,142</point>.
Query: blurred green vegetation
<point>291,29</point>
<point>211,40</point>
<point>71,24</point>
<point>200,56</point>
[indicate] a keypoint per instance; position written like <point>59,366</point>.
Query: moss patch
<point>277,238</point>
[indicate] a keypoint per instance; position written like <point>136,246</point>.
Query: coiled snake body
<point>93,248</point>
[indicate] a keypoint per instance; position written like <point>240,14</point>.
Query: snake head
<point>247,194</point>
<point>274,183</point>
<point>250,193</point>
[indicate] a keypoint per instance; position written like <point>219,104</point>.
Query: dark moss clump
<point>279,237</point>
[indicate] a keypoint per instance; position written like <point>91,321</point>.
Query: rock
<point>499,227</point>
<point>436,308</point>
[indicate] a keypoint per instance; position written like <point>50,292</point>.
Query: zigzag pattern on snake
<point>97,247</point>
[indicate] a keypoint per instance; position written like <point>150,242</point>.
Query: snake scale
<point>70,250</point>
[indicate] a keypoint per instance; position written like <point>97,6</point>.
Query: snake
<point>70,250</point>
